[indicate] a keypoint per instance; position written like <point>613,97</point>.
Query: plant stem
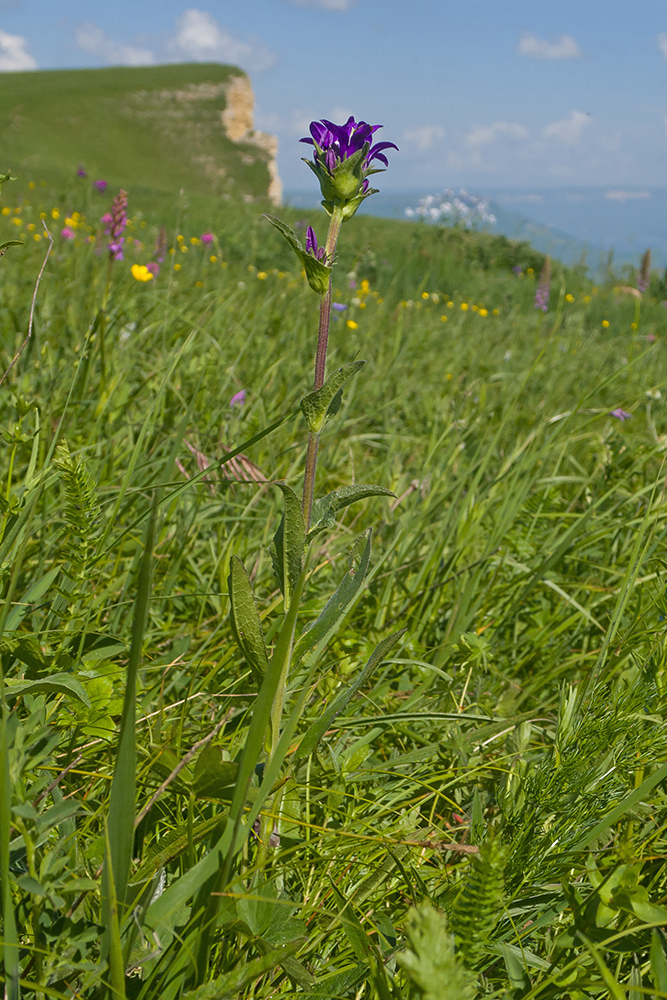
<point>320,366</point>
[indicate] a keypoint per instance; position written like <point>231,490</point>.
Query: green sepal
<point>315,733</point>
<point>318,274</point>
<point>245,621</point>
<point>325,509</point>
<point>317,405</point>
<point>345,182</point>
<point>289,543</point>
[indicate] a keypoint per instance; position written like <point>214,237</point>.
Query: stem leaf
<point>316,405</point>
<point>245,620</point>
<point>289,542</point>
<point>55,684</point>
<point>326,508</point>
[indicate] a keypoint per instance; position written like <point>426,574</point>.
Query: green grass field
<point>486,815</point>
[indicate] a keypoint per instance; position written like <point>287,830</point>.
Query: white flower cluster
<point>457,209</point>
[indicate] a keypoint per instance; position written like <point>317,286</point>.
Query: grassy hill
<point>156,127</point>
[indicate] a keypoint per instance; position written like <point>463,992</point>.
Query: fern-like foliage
<point>81,513</point>
<point>480,902</point>
<point>430,963</point>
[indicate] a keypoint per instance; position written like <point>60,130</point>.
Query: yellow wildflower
<point>484,312</point>
<point>6,210</point>
<point>464,306</point>
<point>605,323</point>
<point>141,272</point>
<point>443,319</point>
<point>55,214</point>
<point>177,267</point>
<point>213,258</point>
<point>424,295</point>
<point>569,298</point>
<point>261,275</point>
<point>351,325</point>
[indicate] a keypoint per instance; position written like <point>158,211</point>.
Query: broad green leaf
<point>55,684</point>
<point>246,624</point>
<point>318,274</point>
<point>213,776</point>
<point>326,508</point>
<point>289,543</point>
<point>315,405</point>
<point>320,726</point>
<point>317,634</point>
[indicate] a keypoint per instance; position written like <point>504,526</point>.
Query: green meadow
<point>476,809</point>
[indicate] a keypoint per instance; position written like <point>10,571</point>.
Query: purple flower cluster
<point>100,186</point>
<point>340,142</point>
<point>620,414</point>
<point>115,222</point>
<point>343,160</point>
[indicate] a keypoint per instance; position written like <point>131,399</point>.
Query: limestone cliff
<point>238,120</point>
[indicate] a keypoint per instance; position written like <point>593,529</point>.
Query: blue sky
<point>480,93</point>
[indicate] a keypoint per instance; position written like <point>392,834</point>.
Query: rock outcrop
<point>239,121</point>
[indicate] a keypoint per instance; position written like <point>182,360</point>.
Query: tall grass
<point>481,810</point>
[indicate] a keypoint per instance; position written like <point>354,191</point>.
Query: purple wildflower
<point>67,233</point>
<point>238,399</point>
<point>339,306</point>
<point>206,237</point>
<point>340,142</point>
<point>81,172</point>
<point>153,267</point>
<point>100,186</point>
<point>620,414</point>
<point>544,286</point>
<point>115,221</point>
<point>516,270</point>
<point>343,161</point>
<point>644,276</point>
<point>161,244</point>
<point>311,245</point>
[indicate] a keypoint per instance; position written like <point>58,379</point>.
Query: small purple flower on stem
<point>620,414</point>
<point>100,186</point>
<point>161,245</point>
<point>206,237</point>
<point>338,306</point>
<point>311,245</point>
<point>153,267</point>
<point>238,399</point>
<point>81,172</point>
<point>116,220</point>
<point>67,233</point>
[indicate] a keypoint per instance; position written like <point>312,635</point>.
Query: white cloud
<point>568,130</point>
<point>201,38</point>
<point>13,55</point>
<point>562,47</point>
<point>424,136</point>
<point>95,42</point>
<point>482,135</point>
<point>662,43</point>
<point>623,196</point>
<point>333,5</point>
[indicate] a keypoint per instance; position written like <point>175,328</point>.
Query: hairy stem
<point>320,367</point>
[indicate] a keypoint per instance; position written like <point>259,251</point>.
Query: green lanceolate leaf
<point>318,274</point>
<point>10,243</point>
<point>288,544</point>
<point>326,508</point>
<point>313,736</point>
<point>315,405</point>
<point>245,620</point>
<point>317,634</point>
<point>55,684</point>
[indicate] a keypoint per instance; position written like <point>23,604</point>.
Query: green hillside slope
<point>158,127</point>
